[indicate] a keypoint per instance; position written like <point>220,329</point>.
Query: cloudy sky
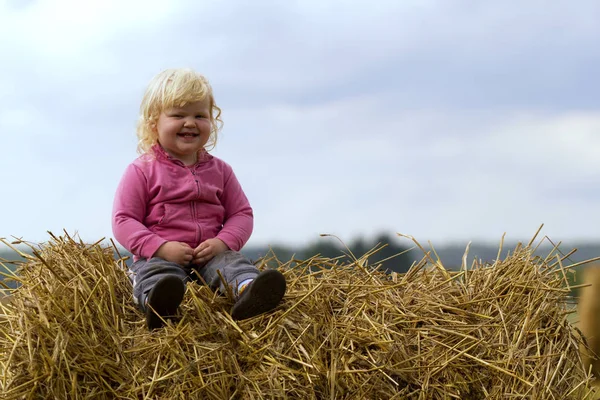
<point>448,120</point>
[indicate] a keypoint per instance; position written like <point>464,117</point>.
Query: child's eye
<point>176,116</point>
<point>200,116</point>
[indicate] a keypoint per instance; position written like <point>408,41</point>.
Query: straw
<point>343,331</point>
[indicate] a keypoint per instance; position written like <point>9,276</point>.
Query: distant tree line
<point>391,256</point>
<point>387,253</point>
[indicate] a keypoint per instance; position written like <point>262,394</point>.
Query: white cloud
<point>59,28</point>
<point>352,167</point>
<point>567,144</point>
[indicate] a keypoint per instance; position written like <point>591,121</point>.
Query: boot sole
<point>263,294</point>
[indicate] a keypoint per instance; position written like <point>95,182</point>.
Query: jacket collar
<point>161,154</point>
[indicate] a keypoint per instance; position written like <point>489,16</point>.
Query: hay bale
<point>589,323</point>
<point>343,331</point>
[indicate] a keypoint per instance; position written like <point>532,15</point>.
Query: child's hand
<point>177,252</point>
<point>208,249</point>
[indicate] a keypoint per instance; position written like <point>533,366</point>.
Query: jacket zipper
<point>193,206</point>
<point>196,180</point>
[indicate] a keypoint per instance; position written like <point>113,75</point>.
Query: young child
<point>179,209</point>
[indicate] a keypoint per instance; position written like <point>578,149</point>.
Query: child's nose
<point>189,122</point>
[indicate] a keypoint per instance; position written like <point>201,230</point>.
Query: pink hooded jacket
<point>159,199</point>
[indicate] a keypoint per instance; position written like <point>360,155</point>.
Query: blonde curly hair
<point>174,88</point>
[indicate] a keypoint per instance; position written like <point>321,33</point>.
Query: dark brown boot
<point>163,301</point>
<point>263,294</point>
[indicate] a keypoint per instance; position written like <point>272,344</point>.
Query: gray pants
<point>234,268</point>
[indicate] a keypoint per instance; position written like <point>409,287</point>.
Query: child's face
<point>182,131</point>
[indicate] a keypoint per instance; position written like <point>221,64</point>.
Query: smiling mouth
<point>188,134</point>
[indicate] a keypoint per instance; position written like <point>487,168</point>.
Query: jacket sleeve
<point>239,218</point>
<point>129,212</point>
